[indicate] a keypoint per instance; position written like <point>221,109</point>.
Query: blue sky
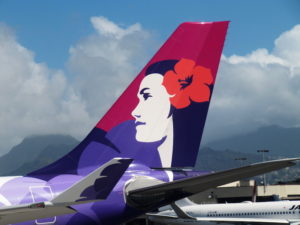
<point>61,70</point>
<point>49,28</point>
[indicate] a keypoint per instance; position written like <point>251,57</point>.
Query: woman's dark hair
<point>161,67</point>
<point>188,123</point>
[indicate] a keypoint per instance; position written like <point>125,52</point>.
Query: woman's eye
<point>146,96</point>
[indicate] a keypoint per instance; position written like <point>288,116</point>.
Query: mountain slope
<point>30,151</point>
<point>280,141</point>
<point>48,155</point>
<point>212,160</point>
<point>38,151</point>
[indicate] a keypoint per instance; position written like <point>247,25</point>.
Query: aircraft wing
<point>151,197</point>
<point>94,187</point>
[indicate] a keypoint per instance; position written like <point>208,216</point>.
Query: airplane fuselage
<point>276,209</point>
<point>25,190</point>
<point>223,213</point>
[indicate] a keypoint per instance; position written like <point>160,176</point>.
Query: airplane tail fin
<point>179,212</point>
<point>160,117</point>
<point>180,203</point>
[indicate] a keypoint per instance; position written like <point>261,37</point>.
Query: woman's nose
<point>135,113</point>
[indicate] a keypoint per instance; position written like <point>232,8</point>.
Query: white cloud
<point>259,89</point>
<point>33,98</point>
<point>37,100</point>
<point>108,28</point>
<point>287,46</point>
<point>105,62</point>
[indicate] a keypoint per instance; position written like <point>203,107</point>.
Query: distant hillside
<point>212,160</point>
<point>38,151</point>
<point>209,159</point>
<point>34,152</point>
<point>280,141</point>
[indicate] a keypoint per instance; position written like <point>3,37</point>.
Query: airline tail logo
<point>159,119</point>
<point>169,87</point>
<point>187,82</point>
<point>295,207</point>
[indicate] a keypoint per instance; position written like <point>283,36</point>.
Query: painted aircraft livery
<point>131,161</point>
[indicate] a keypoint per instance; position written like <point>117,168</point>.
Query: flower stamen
<point>185,82</point>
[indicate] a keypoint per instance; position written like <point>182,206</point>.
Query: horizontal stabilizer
<point>28,212</point>
<point>97,185</point>
<point>175,169</point>
<point>162,194</point>
<point>94,187</point>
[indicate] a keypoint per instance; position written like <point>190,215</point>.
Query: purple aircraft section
<point>157,122</point>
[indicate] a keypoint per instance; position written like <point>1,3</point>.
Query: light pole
<point>263,151</point>
<point>240,160</point>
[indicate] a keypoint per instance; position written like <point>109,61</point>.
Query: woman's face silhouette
<point>152,112</point>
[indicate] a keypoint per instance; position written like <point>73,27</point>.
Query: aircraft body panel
<point>277,212</point>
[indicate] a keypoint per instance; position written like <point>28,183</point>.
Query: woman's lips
<point>137,123</point>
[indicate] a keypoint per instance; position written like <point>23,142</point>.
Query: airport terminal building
<point>248,191</point>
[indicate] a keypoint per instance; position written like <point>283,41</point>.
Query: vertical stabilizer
<point>159,119</point>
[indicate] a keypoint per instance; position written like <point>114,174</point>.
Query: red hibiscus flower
<point>188,83</point>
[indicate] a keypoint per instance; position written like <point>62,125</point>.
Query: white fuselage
<point>276,209</point>
<point>287,211</point>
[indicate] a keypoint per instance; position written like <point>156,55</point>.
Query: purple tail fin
<point>160,117</point>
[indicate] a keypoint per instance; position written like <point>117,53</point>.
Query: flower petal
<point>171,82</point>
<point>180,100</point>
<point>184,68</point>
<point>202,74</point>
<point>199,93</point>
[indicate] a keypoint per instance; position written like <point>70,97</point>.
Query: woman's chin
<point>146,138</point>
